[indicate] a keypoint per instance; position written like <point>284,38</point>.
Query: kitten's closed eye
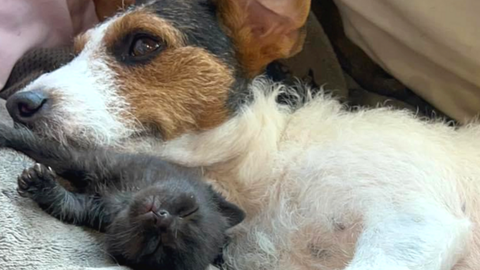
<point>186,212</point>
<point>186,205</point>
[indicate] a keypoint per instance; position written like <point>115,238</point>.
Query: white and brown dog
<point>323,188</point>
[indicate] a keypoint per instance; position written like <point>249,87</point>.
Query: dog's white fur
<point>85,100</point>
<point>322,186</point>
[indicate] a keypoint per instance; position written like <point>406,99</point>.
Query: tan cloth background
<point>432,46</point>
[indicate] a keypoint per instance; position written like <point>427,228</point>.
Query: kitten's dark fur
<point>156,215</point>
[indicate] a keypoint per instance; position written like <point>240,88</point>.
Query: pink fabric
<point>27,24</point>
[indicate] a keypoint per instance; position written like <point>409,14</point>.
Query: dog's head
<point>160,68</point>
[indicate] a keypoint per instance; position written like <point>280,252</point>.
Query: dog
<point>155,215</point>
<point>322,187</point>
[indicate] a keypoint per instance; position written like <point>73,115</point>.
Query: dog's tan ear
<point>107,8</point>
<point>264,30</point>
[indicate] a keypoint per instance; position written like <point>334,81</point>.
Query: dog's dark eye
<point>143,45</point>
<point>137,48</point>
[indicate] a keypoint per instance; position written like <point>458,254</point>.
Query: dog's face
<point>161,69</point>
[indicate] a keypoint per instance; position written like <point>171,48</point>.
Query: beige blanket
<point>432,46</point>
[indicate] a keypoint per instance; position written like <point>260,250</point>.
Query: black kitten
<point>156,215</point>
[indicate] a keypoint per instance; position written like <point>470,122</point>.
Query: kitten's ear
<point>233,213</point>
<point>264,30</point>
<point>107,8</point>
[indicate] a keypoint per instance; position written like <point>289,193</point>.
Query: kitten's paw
<point>36,180</point>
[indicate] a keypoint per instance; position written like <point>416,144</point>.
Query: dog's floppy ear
<point>107,8</point>
<point>264,30</point>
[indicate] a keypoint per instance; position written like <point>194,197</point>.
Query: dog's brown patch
<point>107,8</point>
<point>144,20</point>
<point>79,43</point>
<point>264,30</point>
<point>183,89</point>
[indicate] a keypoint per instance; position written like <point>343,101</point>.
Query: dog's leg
<point>427,239</point>
<point>39,183</point>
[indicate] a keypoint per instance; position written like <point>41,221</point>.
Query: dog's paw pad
<point>34,180</point>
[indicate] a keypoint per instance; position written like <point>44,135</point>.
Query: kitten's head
<point>172,225</point>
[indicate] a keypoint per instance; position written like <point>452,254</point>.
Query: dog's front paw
<point>35,181</point>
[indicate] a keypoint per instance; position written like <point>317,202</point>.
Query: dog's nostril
<point>25,106</point>
<point>29,109</point>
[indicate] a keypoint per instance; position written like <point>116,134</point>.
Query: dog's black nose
<point>26,107</point>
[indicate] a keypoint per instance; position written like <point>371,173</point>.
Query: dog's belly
<point>289,238</point>
<point>335,248</point>
<point>300,226</point>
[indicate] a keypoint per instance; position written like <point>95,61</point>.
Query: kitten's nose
<point>163,219</point>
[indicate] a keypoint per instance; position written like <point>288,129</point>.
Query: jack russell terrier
<point>322,188</point>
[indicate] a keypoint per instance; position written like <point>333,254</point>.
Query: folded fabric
<point>432,46</point>
<point>28,24</point>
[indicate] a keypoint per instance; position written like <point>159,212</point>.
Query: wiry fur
<point>84,100</point>
<point>124,195</point>
<point>324,188</point>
